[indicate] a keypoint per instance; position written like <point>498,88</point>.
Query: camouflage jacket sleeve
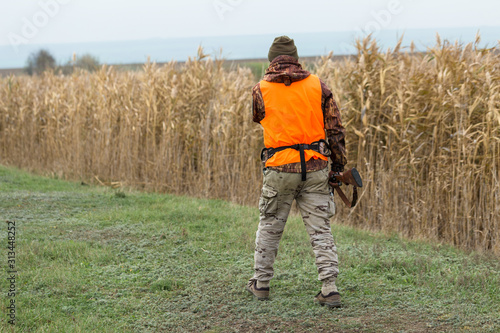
<point>335,132</point>
<point>259,111</point>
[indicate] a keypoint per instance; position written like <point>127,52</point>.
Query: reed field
<point>423,130</point>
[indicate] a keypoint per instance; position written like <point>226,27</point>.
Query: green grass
<point>91,259</point>
<point>258,68</point>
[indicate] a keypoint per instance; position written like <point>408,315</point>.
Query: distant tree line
<point>41,61</point>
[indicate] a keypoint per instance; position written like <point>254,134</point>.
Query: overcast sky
<point>62,21</point>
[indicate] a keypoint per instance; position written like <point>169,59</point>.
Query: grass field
<point>94,259</point>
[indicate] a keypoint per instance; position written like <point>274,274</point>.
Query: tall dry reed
<point>423,129</point>
<point>180,129</point>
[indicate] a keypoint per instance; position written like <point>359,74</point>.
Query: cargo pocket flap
<point>268,192</point>
<point>268,203</point>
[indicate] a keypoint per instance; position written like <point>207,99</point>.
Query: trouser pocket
<point>268,203</point>
<point>331,206</point>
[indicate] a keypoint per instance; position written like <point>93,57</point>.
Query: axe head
<point>350,177</point>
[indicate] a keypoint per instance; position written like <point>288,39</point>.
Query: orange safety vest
<point>293,115</point>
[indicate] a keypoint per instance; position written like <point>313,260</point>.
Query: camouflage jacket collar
<point>285,69</point>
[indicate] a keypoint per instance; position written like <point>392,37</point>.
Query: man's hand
<point>332,180</point>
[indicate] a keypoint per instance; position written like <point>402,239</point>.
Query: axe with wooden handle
<point>350,177</point>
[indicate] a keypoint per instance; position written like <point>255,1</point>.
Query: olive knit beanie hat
<point>282,45</point>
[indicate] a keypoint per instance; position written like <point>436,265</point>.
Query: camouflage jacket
<point>286,69</point>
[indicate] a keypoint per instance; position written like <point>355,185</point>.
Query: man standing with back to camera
<point>295,108</point>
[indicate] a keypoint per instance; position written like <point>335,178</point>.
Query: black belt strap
<point>302,162</point>
<point>300,147</point>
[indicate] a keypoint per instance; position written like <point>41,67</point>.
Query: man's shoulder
<point>323,83</point>
<point>325,91</point>
<point>324,88</point>
<point>256,88</point>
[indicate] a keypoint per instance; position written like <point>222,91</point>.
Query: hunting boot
<point>329,294</point>
<point>261,293</point>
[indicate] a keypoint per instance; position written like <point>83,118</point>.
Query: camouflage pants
<point>316,206</point>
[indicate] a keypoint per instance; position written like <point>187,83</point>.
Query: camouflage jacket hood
<point>285,69</point>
